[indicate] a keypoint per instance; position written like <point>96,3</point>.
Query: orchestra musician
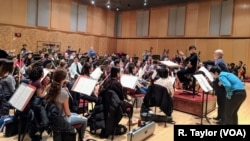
<point>113,84</point>
<point>241,70</point>
<point>191,67</point>
<point>75,69</point>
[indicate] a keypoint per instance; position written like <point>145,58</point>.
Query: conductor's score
<point>208,132</point>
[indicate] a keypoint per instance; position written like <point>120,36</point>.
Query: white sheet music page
<point>84,85</point>
<point>203,83</point>
<point>129,81</point>
<point>96,74</point>
<point>141,72</point>
<point>172,79</point>
<point>45,72</point>
<point>170,64</point>
<point>22,96</point>
<point>154,74</point>
<point>207,73</point>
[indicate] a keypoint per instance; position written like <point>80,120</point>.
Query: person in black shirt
<point>191,66</point>
<point>114,84</point>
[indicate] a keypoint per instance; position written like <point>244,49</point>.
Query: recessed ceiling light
<point>117,9</point>
<point>92,2</point>
<point>145,3</point>
<point>108,6</point>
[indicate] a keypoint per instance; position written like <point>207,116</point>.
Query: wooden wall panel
<point>19,12</point>
<point>5,11</point>
<point>158,22</point>
<point>55,7</point>
<point>155,18</point>
<point>99,21</point>
<point>202,47</point>
<point>227,46</point>
<point>241,18</point>
<point>110,23</point>
<point>125,24</point>
<point>132,27</point>
<point>240,51</point>
<point>90,20</point>
<point>129,24</point>
<point>203,19</point>
<point>31,36</point>
<point>163,23</point>
<point>60,15</point>
<point>63,15</point>
<point>191,19</point>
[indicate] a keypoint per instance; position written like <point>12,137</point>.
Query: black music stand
<point>206,89</point>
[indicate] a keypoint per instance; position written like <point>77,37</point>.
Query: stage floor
<point>192,104</point>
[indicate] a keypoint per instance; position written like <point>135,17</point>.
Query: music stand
<point>206,89</point>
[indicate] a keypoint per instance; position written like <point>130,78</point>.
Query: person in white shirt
<point>75,68</point>
<point>165,81</point>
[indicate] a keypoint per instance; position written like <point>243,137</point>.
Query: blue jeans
<point>142,90</point>
<point>78,119</point>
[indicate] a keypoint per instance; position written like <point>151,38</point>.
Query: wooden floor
<point>164,133</point>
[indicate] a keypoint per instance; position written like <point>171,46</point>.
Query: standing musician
<point>191,67</point>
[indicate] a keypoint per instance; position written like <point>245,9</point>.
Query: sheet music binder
<point>84,85</point>
<point>170,64</point>
<point>45,73</point>
<point>22,96</point>
<point>96,74</point>
<point>129,81</point>
<point>207,73</point>
<point>203,83</point>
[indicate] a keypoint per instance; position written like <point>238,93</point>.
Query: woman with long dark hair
<point>60,95</point>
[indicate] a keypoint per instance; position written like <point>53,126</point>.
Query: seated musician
<point>191,67</point>
<point>140,88</point>
<point>58,94</point>
<point>241,70</point>
<point>164,81</point>
<point>75,68</point>
<point>114,84</point>
<point>86,71</point>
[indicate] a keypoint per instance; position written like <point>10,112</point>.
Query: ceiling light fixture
<point>92,2</point>
<point>145,3</point>
<point>117,9</point>
<point>108,4</point>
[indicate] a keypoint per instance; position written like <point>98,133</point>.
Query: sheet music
<point>129,81</point>
<point>170,64</point>
<point>84,85</point>
<point>203,83</point>
<point>22,96</point>
<point>172,79</point>
<point>96,74</point>
<point>141,72</point>
<point>154,74</point>
<point>45,72</point>
<point>207,73</point>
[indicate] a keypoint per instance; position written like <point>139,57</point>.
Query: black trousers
<point>220,92</point>
<point>182,75</point>
<point>233,106</point>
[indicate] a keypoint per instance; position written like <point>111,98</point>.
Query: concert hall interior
<point>86,70</point>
